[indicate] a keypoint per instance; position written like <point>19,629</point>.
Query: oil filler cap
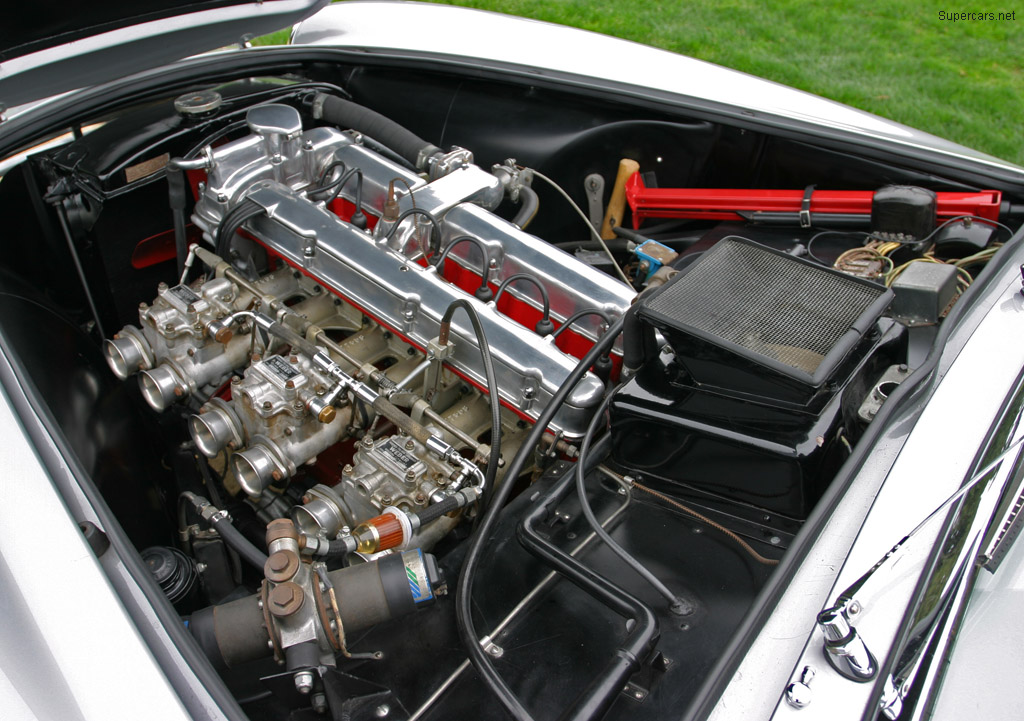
<point>200,104</point>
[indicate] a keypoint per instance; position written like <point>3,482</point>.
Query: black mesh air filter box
<point>750,320</point>
<point>770,358</point>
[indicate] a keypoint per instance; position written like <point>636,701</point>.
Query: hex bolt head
<point>285,599</point>
<point>281,566</point>
<point>319,702</point>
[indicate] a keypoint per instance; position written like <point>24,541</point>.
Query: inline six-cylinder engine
<point>338,333</point>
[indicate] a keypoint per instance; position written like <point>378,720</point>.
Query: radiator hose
<point>346,114</point>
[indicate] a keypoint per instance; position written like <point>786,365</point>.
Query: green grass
<point>896,58</point>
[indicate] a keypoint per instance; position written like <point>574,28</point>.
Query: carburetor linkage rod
<point>362,391</point>
<point>222,267</point>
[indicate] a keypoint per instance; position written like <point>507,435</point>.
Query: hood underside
<point>50,52</point>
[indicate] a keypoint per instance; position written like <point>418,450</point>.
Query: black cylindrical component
<point>367,594</point>
<point>436,510</point>
<point>302,655</point>
<point>221,522</point>
<point>603,368</point>
<point>336,549</point>
<point>173,571</point>
<point>346,114</point>
<point>903,209</point>
<point>232,633</point>
<point>395,585</point>
<point>375,592</point>
<point>638,342</point>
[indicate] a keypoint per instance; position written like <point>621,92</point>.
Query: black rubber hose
<point>435,227</point>
<point>232,222</point>
<point>544,325</point>
<point>346,114</point>
<point>492,391</point>
<point>484,292</point>
<point>463,594</point>
<point>339,185</point>
<point>436,510</point>
<point>676,604</point>
<point>528,205</point>
<point>220,522</point>
<point>595,700</point>
<point>638,342</point>
<point>580,314</point>
<point>336,549</point>
<point>322,183</point>
<point>176,199</point>
<point>234,538</point>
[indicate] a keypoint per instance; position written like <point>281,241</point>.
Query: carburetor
<point>173,352</point>
<point>394,472</point>
<point>278,414</point>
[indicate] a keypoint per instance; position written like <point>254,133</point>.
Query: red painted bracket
<point>729,203</point>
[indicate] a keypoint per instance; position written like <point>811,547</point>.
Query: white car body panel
<point>105,670</point>
<point>932,465</point>
<point>989,651</point>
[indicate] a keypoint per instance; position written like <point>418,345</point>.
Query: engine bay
<point>403,430</point>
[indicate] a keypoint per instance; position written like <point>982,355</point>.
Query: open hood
<point>51,50</point>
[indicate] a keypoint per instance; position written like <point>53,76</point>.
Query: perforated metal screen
<point>768,303</point>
